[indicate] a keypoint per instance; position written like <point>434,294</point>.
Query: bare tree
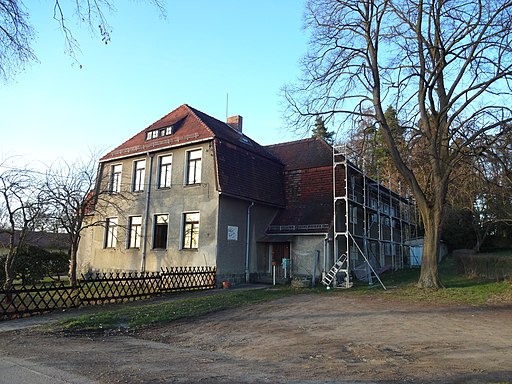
<point>21,209</point>
<point>73,192</point>
<point>445,67</point>
<point>493,200</point>
<point>17,33</point>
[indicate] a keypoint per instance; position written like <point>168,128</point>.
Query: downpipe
<point>247,241</point>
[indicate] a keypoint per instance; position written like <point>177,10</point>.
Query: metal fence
<point>101,288</point>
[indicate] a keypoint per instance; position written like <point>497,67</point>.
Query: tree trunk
<point>429,275</point>
<point>9,270</point>
<point>72,266</point>
<point>480,238</point>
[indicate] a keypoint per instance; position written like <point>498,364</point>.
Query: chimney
<point>235,122</point>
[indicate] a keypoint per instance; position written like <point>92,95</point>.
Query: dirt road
<point>299,339</point>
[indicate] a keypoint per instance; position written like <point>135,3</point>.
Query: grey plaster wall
<point>174,201</point>
<point>232,236</point>
<point>307,255</point>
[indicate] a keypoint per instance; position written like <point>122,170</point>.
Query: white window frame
<point>165,174</point>
<point>156,223</point>
<point>111,232</point>
<point>193,166</point>
<point>116,174</point>
<point>190,230</point>
<point>139,175</point>
<point>134,231</point>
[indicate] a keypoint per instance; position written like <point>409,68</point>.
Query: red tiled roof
<point>189,128</point>
<point>249,174</point>
<point>46,240</point>
<point>191,125</point>
<point>308,186</point>
<point>245,169</point>
<point>301,154</point>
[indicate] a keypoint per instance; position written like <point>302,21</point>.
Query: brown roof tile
<point>249,174</point>
<point>245,169</point>
<point>189,129</point>
<point>301,154</point>
<point>46,240</point>
<point>308,186</point>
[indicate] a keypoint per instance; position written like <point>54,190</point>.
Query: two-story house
<point>190,190</point>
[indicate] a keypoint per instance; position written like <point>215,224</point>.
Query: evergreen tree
<point>321,132</point>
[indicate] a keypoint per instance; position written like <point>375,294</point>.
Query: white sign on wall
<point>232,233</point>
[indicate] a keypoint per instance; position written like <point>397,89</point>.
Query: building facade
<point>190,190</point>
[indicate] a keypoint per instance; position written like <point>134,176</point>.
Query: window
<point>139,174</point>
<point>194,167</point>
<point>165,172</point>
<point>160,231</point>
<point>190,230</point>
<point>111,233</point>
<point>115,178</point>
<point>134,231</point>
<point>161,132</point>
<point>353,215</point>
<point>353,187</point>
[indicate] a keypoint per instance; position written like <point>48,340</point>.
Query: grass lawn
<point>458,290</point>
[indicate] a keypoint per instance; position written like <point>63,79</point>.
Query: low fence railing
<point>21,301</point>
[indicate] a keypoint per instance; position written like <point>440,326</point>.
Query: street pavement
<point>19,371</point>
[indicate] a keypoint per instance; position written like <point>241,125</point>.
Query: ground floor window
<point>134,231</point>
<point>160,230</point>
<point>111,232</point>
<point>190,230</point>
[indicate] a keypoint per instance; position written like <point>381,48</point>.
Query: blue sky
<point>203,51</point>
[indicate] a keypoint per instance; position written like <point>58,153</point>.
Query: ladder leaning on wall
<point>330,276</point>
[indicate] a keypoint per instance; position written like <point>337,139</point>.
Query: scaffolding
<point>371,224</point>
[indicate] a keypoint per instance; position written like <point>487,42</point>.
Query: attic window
<point>161,132</point>
<point>245,140</point>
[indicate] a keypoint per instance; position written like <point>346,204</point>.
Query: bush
<point>34,263</point>
<point>487,266</point>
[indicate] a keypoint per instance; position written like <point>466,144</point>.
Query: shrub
<point>34,263</point>
<point>487,266</point>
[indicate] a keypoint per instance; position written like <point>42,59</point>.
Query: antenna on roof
<point>227,104</point>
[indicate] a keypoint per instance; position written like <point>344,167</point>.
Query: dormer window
<point>161,132</point>
<point>245,140</point>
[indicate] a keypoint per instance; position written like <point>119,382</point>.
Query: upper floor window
<point>139,174</point>
<point>164,180</point>
<point>111,232</point>
<point>194,166</point>
<point>160,229</point>
<point>190,230</point>
<point>134,231</point>
<point>353,215</point>
<point>115,178</point>
<point>156,133</point>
